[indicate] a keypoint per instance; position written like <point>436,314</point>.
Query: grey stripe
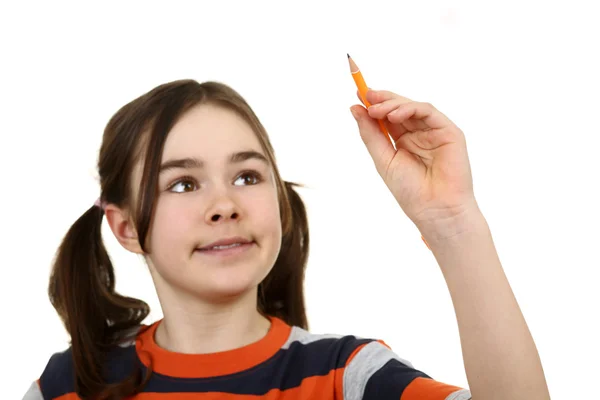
<point>364,364</point>
<point>367,362</point>
<point>302,336</point>
<point>463,394</point>
<point>33,393</point>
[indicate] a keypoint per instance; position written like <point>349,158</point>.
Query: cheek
<point>271,220</point>
<point>266,214</point>
<point>171,222</point>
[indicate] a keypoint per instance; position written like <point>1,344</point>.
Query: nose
<point>222,209</point>
<point>223,216</point>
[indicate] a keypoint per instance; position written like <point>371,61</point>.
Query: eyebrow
<point>192,162</point>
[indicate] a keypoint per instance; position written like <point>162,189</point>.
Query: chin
<point>226,288</point>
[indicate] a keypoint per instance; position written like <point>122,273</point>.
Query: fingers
<point>379,96</point>
<point>402,114</point>
<point>399,109</point>
<point>396,127</point>
<point>362,100</point>
<point>382,109</point>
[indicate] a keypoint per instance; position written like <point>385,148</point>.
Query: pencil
<point>362,88</point>
<point>362,92</point>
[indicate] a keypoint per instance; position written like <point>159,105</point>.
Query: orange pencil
<point>362,91</point>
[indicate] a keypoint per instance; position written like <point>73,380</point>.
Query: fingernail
<point>354,114</point>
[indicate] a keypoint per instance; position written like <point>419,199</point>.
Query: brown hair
<point>82,281</point>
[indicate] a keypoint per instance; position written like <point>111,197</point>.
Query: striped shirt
<point>289,363</point>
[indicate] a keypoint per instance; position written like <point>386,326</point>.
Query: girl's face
<point>215,183</point>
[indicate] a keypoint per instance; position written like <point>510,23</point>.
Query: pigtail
<point>82,290</point>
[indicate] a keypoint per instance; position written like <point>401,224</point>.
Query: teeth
<point>225,247</point>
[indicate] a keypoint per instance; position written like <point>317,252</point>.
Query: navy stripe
<point>390,381</point>
<point>121,364</point>
<point>58,376</point>
<point>285,370</point>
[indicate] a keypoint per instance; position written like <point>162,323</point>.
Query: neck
<point>200,329</point>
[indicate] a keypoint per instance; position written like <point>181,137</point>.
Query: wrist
<point>452,229</point>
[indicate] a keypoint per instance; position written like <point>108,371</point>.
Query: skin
<point>208,302</point>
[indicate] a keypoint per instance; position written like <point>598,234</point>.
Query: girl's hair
<point>82,280</point>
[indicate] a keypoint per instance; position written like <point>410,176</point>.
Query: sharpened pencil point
<point>348,55</point>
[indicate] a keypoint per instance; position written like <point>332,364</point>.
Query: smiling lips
<point>227,247</point>
<point>227,251</point>
<point>226,243</point>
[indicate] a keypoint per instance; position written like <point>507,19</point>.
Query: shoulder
<point>376,371</point>
<point>367,368</point>
<point>57,378</point>
<point>325,345</point>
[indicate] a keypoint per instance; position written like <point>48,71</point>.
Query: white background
<point>520,79</point>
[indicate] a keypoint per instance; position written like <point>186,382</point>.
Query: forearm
<point>500,356</point>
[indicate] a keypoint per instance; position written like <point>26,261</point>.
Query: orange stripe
<point>428,389</point>
<point>215,364</point>
<point>68,396</point>
<point>339,384</point>
<point>316,387</point>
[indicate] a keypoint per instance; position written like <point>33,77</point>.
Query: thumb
<point>378,144</point>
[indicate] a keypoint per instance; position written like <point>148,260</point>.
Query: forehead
<point>210,132</point>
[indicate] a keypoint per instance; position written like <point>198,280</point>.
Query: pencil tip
<point>348,55</point>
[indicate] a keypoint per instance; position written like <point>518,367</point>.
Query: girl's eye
<point>254,177</point>
<point>188,184</point>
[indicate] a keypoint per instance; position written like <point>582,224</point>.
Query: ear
<point>123,228</point>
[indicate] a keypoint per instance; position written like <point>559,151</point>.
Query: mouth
<point>226,250</point>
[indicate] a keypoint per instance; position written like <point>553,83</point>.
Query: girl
<point>189,180</point>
